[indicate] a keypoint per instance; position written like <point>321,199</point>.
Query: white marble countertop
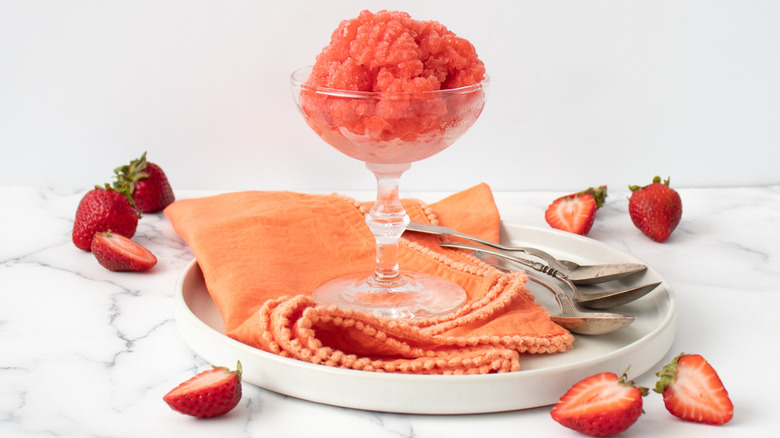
<point>88,352</point>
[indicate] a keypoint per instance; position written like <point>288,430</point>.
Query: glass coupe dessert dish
<point>389,131</point>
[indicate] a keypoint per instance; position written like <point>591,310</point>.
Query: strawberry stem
<point>124,190</point>
<point>667,375</point>
<point>656,180</point>
<point>599,194</point>
<point>625,382</point>
<point>129,174</point>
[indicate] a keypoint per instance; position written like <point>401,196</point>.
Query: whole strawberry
<point>576,212</point>
<point>655,209</point>
<point>209,394</point>
<point>103,209</point>
<point>118,253</point>
<point>693,391</point>
<point>148,184</point>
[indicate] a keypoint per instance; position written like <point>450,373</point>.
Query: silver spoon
<point>593,300</point>
<point>575,320</point>
<point>577,274</point>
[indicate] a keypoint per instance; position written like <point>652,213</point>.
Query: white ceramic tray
<point>541,381</point>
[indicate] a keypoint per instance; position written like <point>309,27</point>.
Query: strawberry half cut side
<point>209,394</point>
<point>693,391</point>
<point>118,253</point>
<point>576,212</point>
<point>600,405</point>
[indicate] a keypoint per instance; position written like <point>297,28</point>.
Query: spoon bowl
<point>575,320</point>
<point>593,300</point>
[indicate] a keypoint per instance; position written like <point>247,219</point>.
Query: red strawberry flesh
<point>209,394</point>
<point>693,391</point>
<point>574,214</point>
<point>600,405</point>
<point>118,253</point>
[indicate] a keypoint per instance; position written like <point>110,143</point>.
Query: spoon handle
<point>536,266</point>
<point>551,261</point>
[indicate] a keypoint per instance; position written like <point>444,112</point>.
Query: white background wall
<point>583,93</point>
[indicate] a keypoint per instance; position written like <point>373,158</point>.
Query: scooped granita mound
<point>390,51</point>
<point>409,67</point>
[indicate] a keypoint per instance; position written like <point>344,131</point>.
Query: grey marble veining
<point>89,352</point>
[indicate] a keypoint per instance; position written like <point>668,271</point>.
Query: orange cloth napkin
<point>263,253</point>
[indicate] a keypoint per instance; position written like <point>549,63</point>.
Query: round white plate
<point>541,380</point>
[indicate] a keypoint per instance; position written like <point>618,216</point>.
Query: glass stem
<point>387,221</point>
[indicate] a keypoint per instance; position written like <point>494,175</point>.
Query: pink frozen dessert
<point>389,89</point>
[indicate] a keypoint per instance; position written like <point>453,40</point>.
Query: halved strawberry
<point>600,405</point>
<point>576,212</point>
<point>209,394</point>
<point>118,253</point>
<point>693,391</point>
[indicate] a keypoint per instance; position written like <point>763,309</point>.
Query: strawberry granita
<point>390,51</point>
<point>391,89</point>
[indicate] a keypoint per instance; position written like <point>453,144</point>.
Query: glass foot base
<point>414,296</point>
